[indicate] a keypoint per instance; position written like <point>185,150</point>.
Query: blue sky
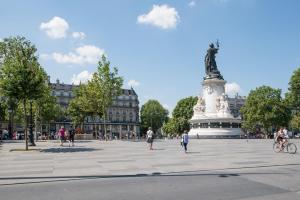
<point>159,46</point>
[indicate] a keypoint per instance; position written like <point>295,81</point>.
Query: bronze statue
<point>211,68</point>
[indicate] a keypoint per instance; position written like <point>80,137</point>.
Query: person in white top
<point>150,138</point>
<point>185,140</point>
<point>285,133</point>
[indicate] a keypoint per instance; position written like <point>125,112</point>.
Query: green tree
<point>175,126</point>
<point>110,84</point>
<point>295,122</point>
<point>104,86</point>
<point>153,115</point>
<point>3,108</point>
<point>264,108</point>
<point>184,108</point>
<point>182,113</point>
<point>21,76</point>
<point>293,94</point>
<point>78,108</point>
<point>46,109</point>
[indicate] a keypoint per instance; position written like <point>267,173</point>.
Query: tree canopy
<point>184,108</point>
<point>181,115</point>
<point>293,94</point>
<point>264,109</point>
<point>21,76</point>
<point>79,108</point>
<point>153,115</point>
<point>97,95</point>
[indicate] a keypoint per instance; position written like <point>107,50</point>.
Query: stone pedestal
<point>212,117</point>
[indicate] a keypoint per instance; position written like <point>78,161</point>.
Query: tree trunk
<point>104,124</point>
<point>26,133</point>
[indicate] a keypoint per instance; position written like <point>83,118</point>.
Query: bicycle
<point>291,148</point>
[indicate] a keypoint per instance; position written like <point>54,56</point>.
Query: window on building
<point>225,125</point>
<point>203,125</point>
<point>214,125</point>
<point>235,125</point>
<point>124,127</point>
<point>196,125</point>
<point>131,127</point>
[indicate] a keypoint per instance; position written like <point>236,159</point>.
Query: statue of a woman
<point>211,68</point>
<point>210,59</point>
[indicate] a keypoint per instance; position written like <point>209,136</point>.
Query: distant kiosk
<point>212,117</point>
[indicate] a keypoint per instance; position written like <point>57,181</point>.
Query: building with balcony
<point>123,114</point>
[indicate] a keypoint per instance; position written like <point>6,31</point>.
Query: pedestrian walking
<point>185,140</point>
<point>150,138</point>
<point>72,133</point>
<point>61,135</point>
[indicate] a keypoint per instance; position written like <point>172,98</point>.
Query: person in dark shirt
<point>72,133</point>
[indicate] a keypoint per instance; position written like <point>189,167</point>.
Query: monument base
<point>215,128</point>
<point>215,133</point>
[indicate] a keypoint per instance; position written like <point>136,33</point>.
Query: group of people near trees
<point>66,134</point>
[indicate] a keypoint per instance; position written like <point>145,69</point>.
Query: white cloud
<point>232,88</point>
<point>133,83</point>
<point>1,40</point>
<point>87,54</point>
<point>162,16</point>
<point>82,77</point>
<point>192,4</point>
<point>78,35</point>
<point>56,28</point>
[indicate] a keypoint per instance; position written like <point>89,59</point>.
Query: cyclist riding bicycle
<point>282,137</point>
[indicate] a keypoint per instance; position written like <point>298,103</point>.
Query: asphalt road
<point>193,185</point>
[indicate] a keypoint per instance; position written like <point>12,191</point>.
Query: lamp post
<point>10,110</point>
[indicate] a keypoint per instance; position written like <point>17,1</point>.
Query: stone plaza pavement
<point>250,160</point>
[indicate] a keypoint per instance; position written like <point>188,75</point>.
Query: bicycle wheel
<point>276,147</point>
<point>292,148</point>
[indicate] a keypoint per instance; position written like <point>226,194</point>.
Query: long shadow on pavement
<point>68,150</point>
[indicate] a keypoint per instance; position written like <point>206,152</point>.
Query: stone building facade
<point>123,115</point>
<point>235,104</point>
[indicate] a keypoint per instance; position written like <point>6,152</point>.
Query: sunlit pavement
<point>212,169</point>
